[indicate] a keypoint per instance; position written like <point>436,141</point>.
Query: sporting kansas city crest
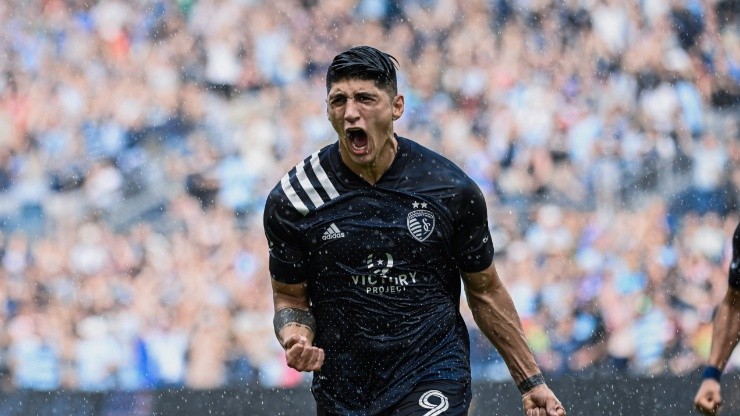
<point>420,222</point>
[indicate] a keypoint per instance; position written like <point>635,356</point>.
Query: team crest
<point>420,224</point>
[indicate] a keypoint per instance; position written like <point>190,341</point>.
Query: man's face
<point>362,115</point>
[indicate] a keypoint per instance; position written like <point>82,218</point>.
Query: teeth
<point>353,136</point>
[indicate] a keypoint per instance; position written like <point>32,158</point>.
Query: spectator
<point>97,355</point>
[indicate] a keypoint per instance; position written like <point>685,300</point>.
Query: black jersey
<point>382,263</point>
<point>735,264</point>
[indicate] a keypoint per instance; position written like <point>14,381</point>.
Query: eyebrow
<point>344,94</point>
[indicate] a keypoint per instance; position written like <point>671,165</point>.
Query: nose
<point>351,113</point>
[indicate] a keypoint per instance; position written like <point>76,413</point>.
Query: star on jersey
<point>419,204</point>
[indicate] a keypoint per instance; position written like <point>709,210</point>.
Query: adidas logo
<point>332,233</point>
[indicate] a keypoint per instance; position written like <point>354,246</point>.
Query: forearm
<point>295,326</point>
<point>496,316</point>
<point>291,321</point>
<point>726,330</point>
<point>292,313</point>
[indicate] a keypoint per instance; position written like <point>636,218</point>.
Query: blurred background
<point>138,141</point>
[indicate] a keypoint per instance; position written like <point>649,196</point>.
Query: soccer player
<point>369,238</point>
<point>725,336</point>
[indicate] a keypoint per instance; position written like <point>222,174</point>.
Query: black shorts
<point>433,398</point>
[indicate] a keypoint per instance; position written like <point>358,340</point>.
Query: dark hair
<point>367,63</point>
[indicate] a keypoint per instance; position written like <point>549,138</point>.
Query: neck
<point>373,171</point>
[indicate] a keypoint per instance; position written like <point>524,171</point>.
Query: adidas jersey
<point>735,264</point>
<point>382,263</point>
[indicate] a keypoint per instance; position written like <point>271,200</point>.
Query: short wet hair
<point>366,63</point>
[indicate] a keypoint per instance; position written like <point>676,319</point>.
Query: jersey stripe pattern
<point>307,186</point>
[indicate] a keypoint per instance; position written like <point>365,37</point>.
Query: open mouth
<point>358,140</point>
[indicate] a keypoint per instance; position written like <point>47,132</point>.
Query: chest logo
<point>420,223</point>
<point>332,232</point>
<point>380,266</point>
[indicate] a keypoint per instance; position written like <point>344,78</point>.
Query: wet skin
<point>362,115</point>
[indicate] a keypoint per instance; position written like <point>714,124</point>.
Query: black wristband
<point>530,383</point>
<point>711,372</point>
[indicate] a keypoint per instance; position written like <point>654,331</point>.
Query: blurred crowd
<point>138,140</point>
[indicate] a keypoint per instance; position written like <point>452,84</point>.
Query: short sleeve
<point>287,258</point>
<point>735,264</point>
<point>471,242</point>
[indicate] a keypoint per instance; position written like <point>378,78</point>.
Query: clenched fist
<point>301,355</point>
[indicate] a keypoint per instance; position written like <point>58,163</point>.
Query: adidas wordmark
<point>332,233</point>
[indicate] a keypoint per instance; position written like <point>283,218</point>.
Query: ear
<point>397,106</point>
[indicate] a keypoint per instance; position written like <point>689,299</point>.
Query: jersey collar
<point>389,178</point>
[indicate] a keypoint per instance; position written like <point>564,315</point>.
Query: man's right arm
<point>294,323</point>
<point>295,326</point>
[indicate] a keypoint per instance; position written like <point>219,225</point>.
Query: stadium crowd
<point>138,140</point>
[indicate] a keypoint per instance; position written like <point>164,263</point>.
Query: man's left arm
<point>725,336</point>
<point>726,329</point>
<point>496,316</point>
